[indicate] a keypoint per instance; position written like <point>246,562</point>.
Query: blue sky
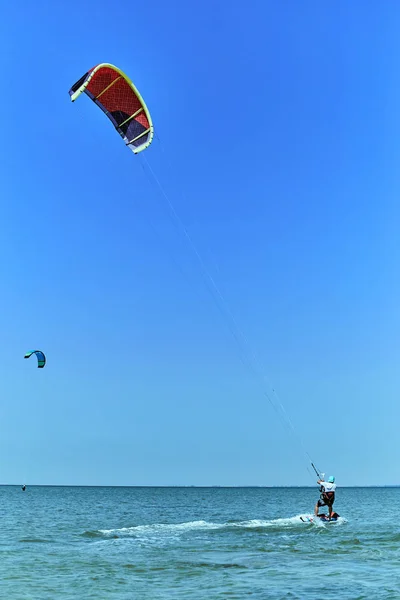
<point>279,149</point>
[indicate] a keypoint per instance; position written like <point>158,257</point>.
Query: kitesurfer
<point>23,488</point>
<point>327,497</point>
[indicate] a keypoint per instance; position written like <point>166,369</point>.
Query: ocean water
<point>197,543</point>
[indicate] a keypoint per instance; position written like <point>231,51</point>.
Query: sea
<point>139,543</point>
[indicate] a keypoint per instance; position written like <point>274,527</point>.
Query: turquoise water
<point>199,543</point>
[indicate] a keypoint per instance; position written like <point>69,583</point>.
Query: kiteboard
<point>313,519</point>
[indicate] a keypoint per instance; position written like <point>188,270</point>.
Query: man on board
<point>327,497</point>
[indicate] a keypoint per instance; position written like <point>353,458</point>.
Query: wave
<point>34,541</point>
<point>160,529</point>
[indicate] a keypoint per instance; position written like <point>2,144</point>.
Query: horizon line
<point>388,485</point>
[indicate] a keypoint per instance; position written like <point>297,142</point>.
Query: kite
<point>40,357</point>
<point>119,99</point>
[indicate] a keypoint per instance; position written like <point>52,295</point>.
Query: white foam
<point>161,527</point>
<point>176,528</point>
<point>281,522</point>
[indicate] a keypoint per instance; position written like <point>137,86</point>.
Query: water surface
<point>196,543</point>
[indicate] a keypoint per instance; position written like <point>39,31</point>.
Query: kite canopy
<point>119,99</point>
<point>40,357</point>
